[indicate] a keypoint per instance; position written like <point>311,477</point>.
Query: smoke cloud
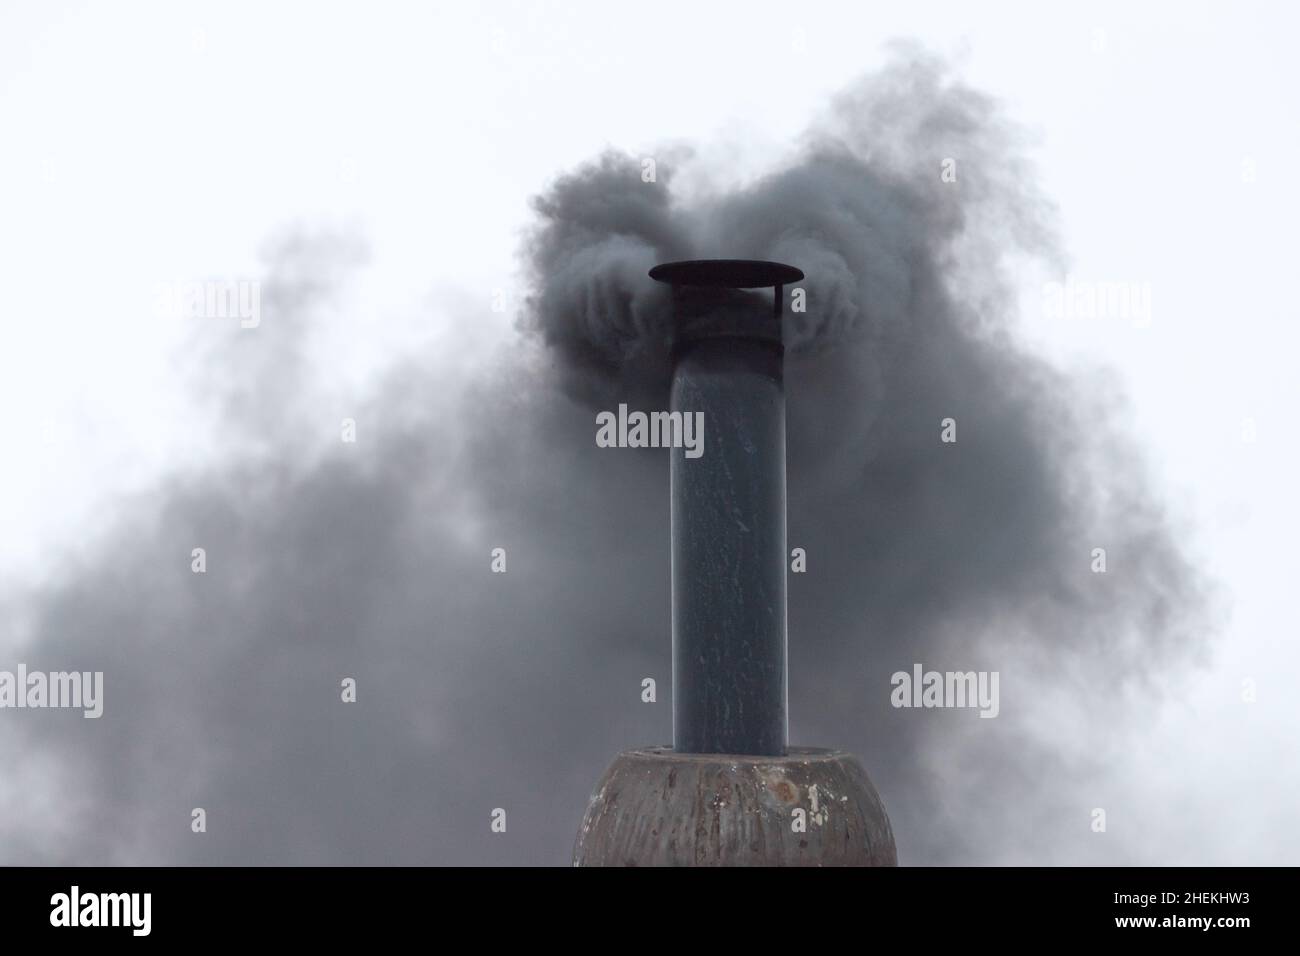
<point>477,690</point>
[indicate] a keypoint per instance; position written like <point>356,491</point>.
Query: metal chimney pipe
<point>729,508</point>
<point>729,792</point>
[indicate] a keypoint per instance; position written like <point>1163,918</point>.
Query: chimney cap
<point>726,273</point>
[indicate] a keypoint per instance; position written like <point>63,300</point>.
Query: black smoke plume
<point>479,690</point>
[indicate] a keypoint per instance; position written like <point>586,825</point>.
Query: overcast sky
<point>154,143</point>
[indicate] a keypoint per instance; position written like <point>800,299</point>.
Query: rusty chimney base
<point>654,807</point>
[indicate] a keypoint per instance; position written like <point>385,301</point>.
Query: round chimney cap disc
<point>726,273</point>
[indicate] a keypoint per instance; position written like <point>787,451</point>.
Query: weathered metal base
<point>654,807</point>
